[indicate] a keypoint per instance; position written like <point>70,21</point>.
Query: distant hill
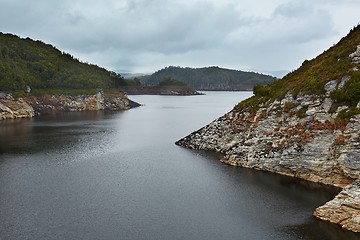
<point>210,78</point>
<point>167,86</point>
<point>27,63</point>
<point>130,75</point>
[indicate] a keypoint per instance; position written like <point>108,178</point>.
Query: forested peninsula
<point>306,125</point>
<point>37,78</point>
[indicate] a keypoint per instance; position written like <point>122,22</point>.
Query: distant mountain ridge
<point>210,78</point>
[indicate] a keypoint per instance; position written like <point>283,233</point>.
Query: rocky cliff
<point>310,135</point>
<point>11,108</point>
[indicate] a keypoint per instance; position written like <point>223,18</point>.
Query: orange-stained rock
<point>10,109</point>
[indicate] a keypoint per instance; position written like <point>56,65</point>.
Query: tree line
<point>27,63</point>
<point>209,78</point>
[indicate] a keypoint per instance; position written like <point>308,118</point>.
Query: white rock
<point>330,86</point>
<point>356,55</point>
<point>327,104</point>
<point>343,81</point>
<point>311,111</point>
<point>341,108</point>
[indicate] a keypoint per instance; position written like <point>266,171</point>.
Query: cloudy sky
<point>147,35</point>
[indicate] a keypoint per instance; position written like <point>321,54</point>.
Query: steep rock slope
<point>306,125</point>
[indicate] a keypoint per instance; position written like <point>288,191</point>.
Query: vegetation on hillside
<point>311,77</point>
<point>167,86</point>
<point>42,67</point>
<point>168,81</point>
<point>209,78</point>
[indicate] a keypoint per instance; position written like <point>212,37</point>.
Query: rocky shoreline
<point>312,147</point>
<point>301,135</point>
<point>31,106</point>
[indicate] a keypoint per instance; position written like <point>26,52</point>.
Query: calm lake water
<point>119,175</point>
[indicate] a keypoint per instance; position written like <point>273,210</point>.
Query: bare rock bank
<point>297,136</point>
<point>11,108</point>
<point>31,106</point>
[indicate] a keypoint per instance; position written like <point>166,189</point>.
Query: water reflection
<point>52,132</point>
<point>314,229</point>
<point>99,175</point>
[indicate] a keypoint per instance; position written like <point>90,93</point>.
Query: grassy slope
<point>311,77</point>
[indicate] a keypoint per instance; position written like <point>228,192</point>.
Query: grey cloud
<point>293,10</point>
<point>163,28</point>
<point>145,34</point>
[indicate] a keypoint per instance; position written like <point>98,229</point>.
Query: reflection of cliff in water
<point>60,131</point>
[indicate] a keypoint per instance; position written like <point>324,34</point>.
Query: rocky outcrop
<point>50,104</point>
<point>11,108</point>
<point>344,208</point>
<point>356,55</point>
<point>297,136</point>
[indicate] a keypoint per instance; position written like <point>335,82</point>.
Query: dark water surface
<point>99,175</point>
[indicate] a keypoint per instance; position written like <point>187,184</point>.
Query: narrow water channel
<point>98,175</point>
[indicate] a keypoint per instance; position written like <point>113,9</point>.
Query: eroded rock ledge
<point>344,208</point>
<point>11,108</point>
<point>297,137</point>
<point>31,106</point>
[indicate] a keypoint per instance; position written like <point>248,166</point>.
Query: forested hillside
<point>210,78</point>
<point>42,67</point>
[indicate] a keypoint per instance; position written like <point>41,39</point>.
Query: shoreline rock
<point>11,108</point>
<point>51,104</point>
<point>309,146</point>
<point>343,209</point>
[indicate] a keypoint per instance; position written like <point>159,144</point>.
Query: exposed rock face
<point>49,104</point>
<point>296,137</point>
<point>10,108</point>
<point>344,208</point>
<point>356,55</point>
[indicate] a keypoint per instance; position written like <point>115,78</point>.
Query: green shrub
<point>350,94</point>
<point>261,91</point>
<point>301,113</point>
<point>168,81</point>
<point>288,106</point>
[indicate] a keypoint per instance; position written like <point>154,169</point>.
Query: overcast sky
<point>147,35</point>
